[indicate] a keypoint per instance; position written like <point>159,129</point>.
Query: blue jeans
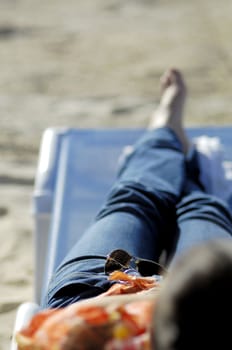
<point>156,204</point>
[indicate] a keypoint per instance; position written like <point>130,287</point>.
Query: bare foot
<point>170,110</point>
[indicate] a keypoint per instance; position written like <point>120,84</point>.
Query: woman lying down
<point>107,293</point>
<point>189,309</point>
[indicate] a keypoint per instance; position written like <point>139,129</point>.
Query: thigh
<point>119,230</point>
<point>81,275</point>
<point>200,218</point>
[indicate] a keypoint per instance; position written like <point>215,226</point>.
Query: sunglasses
<point>120,259</point>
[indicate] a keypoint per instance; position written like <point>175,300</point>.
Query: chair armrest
<point>23,316</point>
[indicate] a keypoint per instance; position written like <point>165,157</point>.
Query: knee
<point>200,205</point>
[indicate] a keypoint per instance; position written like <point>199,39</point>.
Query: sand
<point>93,64</point>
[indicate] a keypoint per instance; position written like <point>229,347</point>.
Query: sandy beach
<point>93,64</point>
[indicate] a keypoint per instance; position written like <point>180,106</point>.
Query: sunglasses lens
<point>117,260</point>
<point>148,268</point>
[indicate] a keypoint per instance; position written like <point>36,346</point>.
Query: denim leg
<point>137,216</point>
<point>142,201</point>
<point>200,216</point>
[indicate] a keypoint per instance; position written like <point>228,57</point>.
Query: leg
<point>138,210</point>
<point>201,216</point>
<point>142,201</point>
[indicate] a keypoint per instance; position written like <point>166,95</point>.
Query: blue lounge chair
<point>75,171</point>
